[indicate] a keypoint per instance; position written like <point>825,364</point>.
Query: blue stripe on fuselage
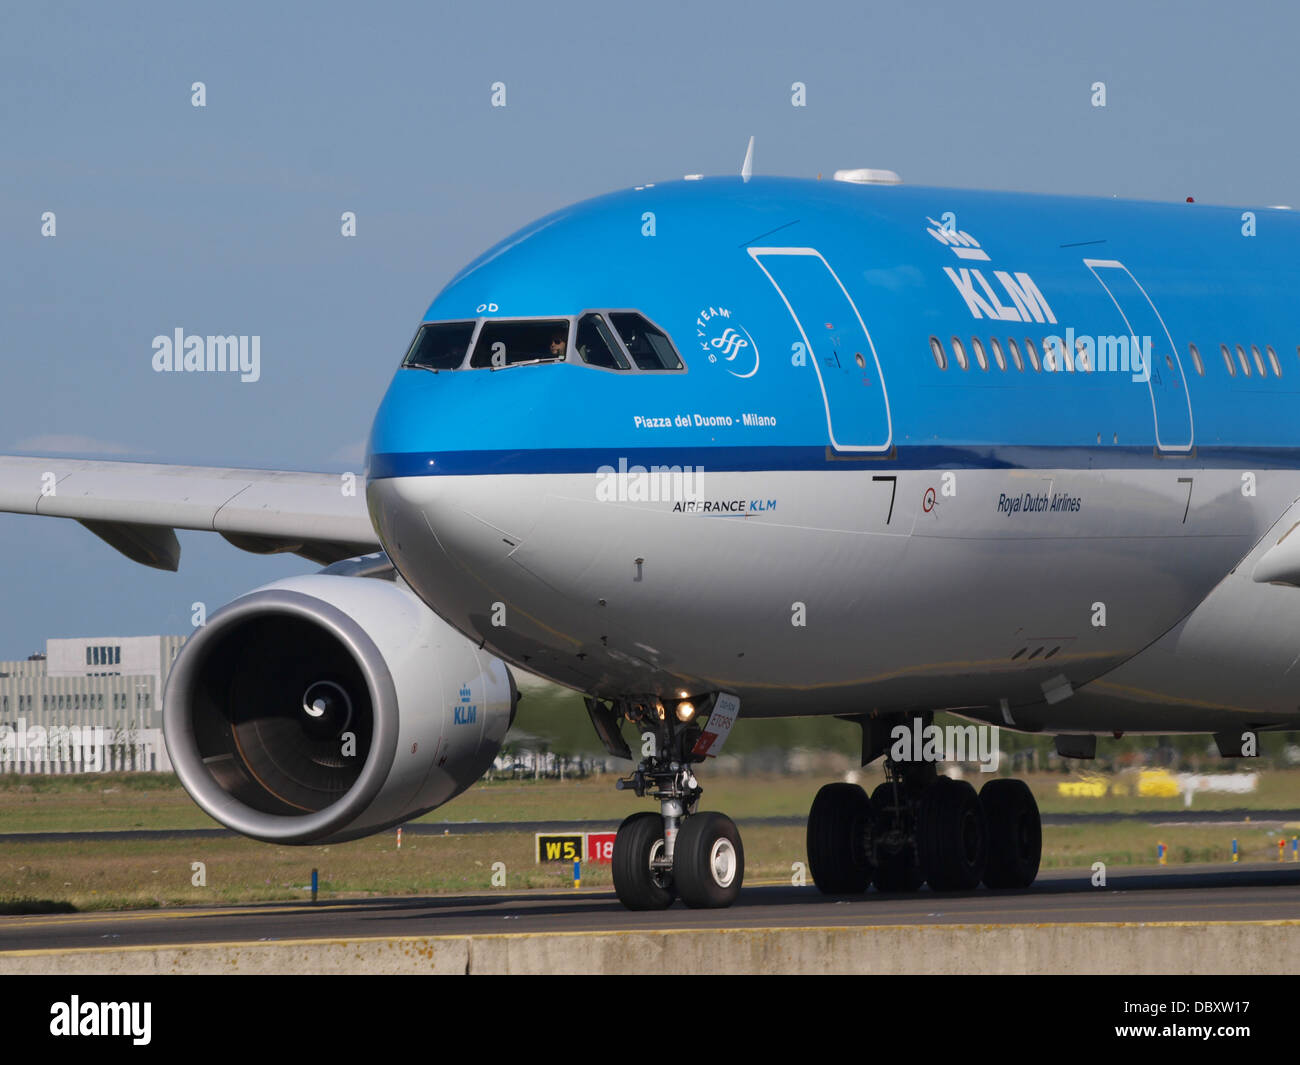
<point>761,459</point>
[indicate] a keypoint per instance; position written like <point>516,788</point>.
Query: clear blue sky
<point>226,219</point>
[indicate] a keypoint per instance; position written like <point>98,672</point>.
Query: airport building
<point>90,704</point>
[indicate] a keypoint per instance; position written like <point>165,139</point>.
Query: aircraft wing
<point>136,507</point>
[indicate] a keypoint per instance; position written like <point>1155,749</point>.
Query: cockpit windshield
<point>649,347</point>
<point>596,344</point>
<point>507,343</point>
<point>608,340</point>
<point>440,345</point>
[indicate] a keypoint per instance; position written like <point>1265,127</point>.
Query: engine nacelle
<point>323,708</point>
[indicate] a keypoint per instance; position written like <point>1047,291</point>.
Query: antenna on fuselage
<point>747,168</point>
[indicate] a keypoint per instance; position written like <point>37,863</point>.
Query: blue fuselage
<point>871,388</point>
<point>1210,284</point>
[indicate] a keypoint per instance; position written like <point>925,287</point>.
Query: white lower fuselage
<point>865,589</point>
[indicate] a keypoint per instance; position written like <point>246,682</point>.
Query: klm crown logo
<point>464,693</point>
<point>958,241</point>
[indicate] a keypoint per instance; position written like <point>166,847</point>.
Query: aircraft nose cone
<point>472,516</point>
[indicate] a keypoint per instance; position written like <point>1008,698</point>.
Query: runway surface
<point>1247,892</point>
<point>473,828</point>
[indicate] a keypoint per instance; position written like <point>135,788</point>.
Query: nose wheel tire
<point>1015,834</point>
<point>838,825</point>
<point>952,836</point>
<point>637,882</point>
<point>708,861</point>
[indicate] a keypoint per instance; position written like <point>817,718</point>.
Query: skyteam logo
<point>726,342</point>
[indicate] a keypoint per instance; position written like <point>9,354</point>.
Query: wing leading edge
<point>136,507</point>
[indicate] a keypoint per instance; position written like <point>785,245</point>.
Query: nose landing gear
<point>643,876</point>
<point>679,852</point>
<point>709,862</point>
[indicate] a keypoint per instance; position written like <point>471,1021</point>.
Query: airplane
<point>741,447</point>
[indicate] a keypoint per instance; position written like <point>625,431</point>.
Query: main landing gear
<point>920,827</point>
<point>679,852</point>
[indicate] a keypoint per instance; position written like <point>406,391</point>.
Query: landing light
<point>685,711</point>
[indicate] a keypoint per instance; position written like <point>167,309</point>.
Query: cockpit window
<point>440,345</point>
<point>605,339</point>
<point>649,347</point>
<point>508,343</point>
<point>596,344</point>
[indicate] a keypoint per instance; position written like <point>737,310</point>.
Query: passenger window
<point>1083,359</point>
<point>649,347</point>
<point>510,343</point>
<point>959,353</point>
<point>596,344</point>
<point>1015,355</point>
<point>1272,360</point>
<point>1054,352</point>
<point>998,357</point>
<point>1227,360</point>
<point>1032,352</point>
<point>1259,360</point>
<point>936,349</point>
<point>978,347</point>
<point>439,345</point>
<point>1196,359</point>
<point>1241,358</point>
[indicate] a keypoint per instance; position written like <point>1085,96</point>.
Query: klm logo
<point>1026,303</point>
<point>1014,298</point>
<point>466,713</point>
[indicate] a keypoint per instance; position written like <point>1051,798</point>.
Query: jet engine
<point>323,708</point>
